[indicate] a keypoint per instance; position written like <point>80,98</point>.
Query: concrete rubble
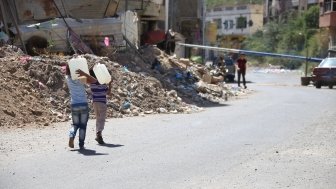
<point>33,90</point>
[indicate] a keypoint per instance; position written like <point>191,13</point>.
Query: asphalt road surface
<point>280,135</point>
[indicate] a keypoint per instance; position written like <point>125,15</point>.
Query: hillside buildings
<point>274,8</point>
<point>328,21</point>
<point>233,23</point>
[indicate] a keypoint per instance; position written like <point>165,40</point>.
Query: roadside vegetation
<point>291,33</point>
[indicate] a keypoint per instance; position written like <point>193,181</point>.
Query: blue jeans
<point>80,117</point>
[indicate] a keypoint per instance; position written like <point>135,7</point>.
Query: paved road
<point>282,135</point>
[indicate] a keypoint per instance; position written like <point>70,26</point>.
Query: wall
<point>231,13</point>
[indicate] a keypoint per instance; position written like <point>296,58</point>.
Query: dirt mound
<point>30,91</point>
<point>33,90</point>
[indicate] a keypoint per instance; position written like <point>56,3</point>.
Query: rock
<point>148,112</point>
<point>122,93</point>
<point>10,113</point>
<point>126,111</point>
<point>149,90</point>
<point>135,111</point>
<point>185,61</point>
<point>162,110</point>
<point>206,78</point>
<point>140,96</point>
<point>138,69</point>
<point>172,93</point>
<point>216,80</point>
<point>36,112</point>
<point>12,70</point>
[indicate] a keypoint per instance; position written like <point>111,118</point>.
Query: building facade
<point>233,23</point>
<point>274,8</point>
<point>185,17</point>
<point>328,21</point>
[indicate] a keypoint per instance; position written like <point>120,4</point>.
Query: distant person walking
<point>99,92</point>
<point>241,69</point>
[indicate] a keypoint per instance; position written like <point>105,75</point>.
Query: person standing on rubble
<point>79,106</point>
<point>99,93</point>
<point>170,42</point>
<point>241,69</point>
<point>220,61</point>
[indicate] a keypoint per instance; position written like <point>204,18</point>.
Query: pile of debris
<point>33,90</point>
<point>195,83</point>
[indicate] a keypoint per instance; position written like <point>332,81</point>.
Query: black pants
<point>241,73</point>
<point>170,47</point>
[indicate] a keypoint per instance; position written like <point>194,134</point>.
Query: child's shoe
<point>71,142</point>
<point>99,138</point>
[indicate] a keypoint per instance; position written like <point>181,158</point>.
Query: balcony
<point>328,19</point>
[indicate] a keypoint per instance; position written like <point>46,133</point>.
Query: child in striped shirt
<point>99,92</point>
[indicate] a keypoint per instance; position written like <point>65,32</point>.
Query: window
<point>241,7</point>
<point>241,22</point>
<point>229,8</point>
<point>218,22</point>
<point>217,9</point>
<point>228,24</point>
<point>327,5</point>
<point>333,41</point>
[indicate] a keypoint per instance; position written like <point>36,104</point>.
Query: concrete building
<point>274,8</point>
<point>234,23</point>
<point>103,19</point>
<point>185,17</point>
<point>328,21</point>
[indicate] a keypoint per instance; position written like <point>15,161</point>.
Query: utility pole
<point>306,46</point>
<point>203,27</point>
<point>126,5</point>
<point>166,15</point>
<point>203,6</point>
<point>267,11</point>
<point>4,16</point>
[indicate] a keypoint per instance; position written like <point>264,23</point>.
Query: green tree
<point>288,35</point>
<point>311,17</point>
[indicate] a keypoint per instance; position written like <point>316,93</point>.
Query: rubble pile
<point>134,93</point>
<point>195,83</point>
<point>33,90</point>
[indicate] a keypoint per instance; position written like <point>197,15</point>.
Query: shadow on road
<point>88,152</point>
<point>210,105</point>
<point>241,81</point>
<point>111,145</point>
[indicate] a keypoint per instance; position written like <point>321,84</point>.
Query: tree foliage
<point>293,33</point>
